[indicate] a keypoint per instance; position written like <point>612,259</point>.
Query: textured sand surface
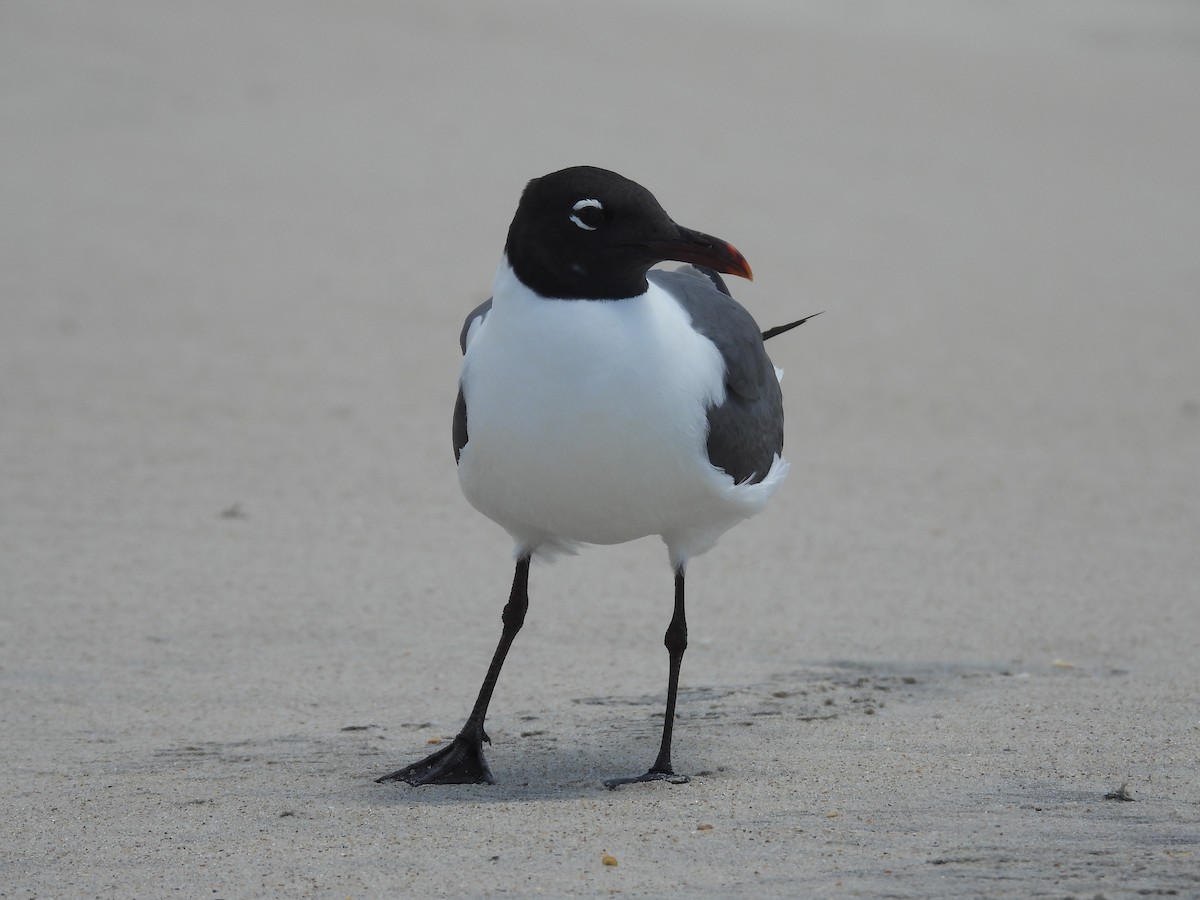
<point>238,580</point>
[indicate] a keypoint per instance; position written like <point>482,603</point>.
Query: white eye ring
<point>585,204</point>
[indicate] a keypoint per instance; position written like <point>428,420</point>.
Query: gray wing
<point>715,277</point>
<point>459,428</point>
<point>746,431</point>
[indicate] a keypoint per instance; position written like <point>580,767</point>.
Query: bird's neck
<point>574,280</point>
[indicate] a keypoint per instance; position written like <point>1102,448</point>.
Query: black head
<point>586,233</point>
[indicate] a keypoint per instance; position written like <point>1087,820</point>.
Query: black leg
<point>461,761</point>
<point>675,641</point>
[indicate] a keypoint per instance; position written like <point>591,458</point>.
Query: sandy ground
<point>239,581</point>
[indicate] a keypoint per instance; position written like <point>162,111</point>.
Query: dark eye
<point>588,214</point>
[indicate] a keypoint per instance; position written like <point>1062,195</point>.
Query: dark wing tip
<point>780,329</point>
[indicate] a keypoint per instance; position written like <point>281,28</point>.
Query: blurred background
<point>237,241</point>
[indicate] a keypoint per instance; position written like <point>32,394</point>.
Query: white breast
<point>587,423</point>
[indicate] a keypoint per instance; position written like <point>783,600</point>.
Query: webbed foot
<point>670,777</point>
<point>459,762</point>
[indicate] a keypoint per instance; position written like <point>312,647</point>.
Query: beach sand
<point>238,580</point>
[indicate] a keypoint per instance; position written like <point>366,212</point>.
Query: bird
<point>601,401</point>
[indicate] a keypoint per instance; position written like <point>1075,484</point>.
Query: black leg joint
<point>675,640</point>
<point>513,616</point>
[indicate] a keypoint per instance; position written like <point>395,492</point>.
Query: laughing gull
<point>602,402</point>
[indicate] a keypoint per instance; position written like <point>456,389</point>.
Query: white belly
<point>587,422</point>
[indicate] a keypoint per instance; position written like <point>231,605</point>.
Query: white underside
<point>587,424</point>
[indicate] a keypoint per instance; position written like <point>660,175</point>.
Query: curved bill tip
<point>737,263</point>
